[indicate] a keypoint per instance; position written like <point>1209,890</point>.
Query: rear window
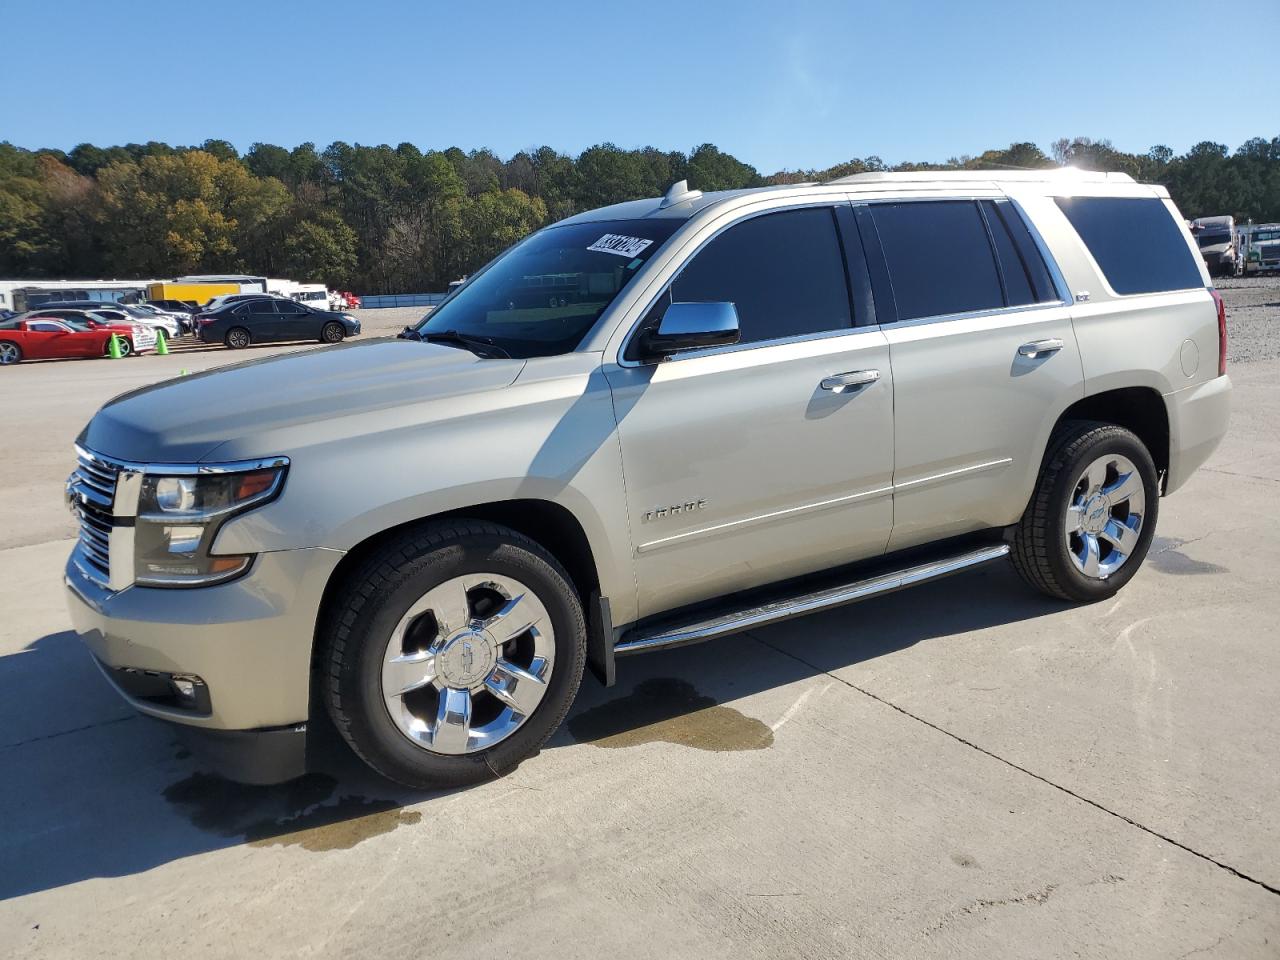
<point>1135,241</point>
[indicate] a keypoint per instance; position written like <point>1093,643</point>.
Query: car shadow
<point>89,789</point>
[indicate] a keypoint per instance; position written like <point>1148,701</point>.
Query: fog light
<point>185,687</point>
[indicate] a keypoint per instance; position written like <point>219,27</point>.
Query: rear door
<point>984,359</point>
<point>743,464</point>
<point>262,321</point>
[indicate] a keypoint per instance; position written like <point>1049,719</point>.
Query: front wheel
<point>126,347</point>
<point>452,654</point>
<point>332,333</point>
<point>1092,515</point>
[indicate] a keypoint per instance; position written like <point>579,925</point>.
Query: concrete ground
<point>961,770</point>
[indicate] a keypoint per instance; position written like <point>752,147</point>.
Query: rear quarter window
<point>1135,241</point>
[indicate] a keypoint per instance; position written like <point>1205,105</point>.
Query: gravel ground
<point>1253,317</point>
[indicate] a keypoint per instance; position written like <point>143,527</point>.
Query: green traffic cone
<point>113,348</point>
<point>162,343</point>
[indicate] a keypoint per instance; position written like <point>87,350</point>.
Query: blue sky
<point>802,83</point>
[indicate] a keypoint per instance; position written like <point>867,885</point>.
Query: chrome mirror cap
<point>691,326</point>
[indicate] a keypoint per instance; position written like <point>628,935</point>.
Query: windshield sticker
<point>622,246</point>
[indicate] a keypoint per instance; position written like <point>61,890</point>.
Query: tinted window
<point>939,257</point>
<point>1135,241</point>
<point>242,310</point>
<point>289,309</point>
<point>783,271</point>
<point>46,327</point>
<point>1026,279</point>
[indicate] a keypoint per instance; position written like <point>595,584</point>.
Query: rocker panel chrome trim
<point>810,603</point>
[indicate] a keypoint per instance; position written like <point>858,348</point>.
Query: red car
<point>353,302</point>
<point>42,338</point>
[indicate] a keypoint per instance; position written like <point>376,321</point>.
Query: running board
<point>640,641</point>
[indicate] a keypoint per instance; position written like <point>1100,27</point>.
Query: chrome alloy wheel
<point>332,333</point>
<point>1105,516</point>
<point>468,663</point>
<point>8,353</point>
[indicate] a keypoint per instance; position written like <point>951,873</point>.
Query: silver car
<point>648,425</point>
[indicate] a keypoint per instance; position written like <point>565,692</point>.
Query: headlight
<point>179,517</point>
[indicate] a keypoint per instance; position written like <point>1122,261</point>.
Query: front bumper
<point>248,641</point>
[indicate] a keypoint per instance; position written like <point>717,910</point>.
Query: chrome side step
<point>738,620</point>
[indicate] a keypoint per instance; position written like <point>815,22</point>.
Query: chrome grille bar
<point>93,489</point>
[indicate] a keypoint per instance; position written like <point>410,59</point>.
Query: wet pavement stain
<point>1167,558</point>
<point>338,826</point>
<point>288,814</point>
<point>671,711</point>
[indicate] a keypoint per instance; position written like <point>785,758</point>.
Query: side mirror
<point>691,326</point>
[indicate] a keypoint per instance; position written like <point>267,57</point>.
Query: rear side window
<point>783,271</point>
<point>939,258</point>
<point>1026,279</point>
<point>1135,241</point>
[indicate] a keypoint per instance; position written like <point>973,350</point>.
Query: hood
<point>188,419</point>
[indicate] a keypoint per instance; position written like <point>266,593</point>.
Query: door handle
<point>1040,348</point>
<point>844,382</point>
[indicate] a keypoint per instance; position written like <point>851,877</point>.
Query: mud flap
<point>600,640</point>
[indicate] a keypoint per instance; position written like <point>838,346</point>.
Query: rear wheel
<point>238,338</point>
<point>453,653</point>
<point>1092,516</point>
<point>10,352</point>
<point>332,333</point>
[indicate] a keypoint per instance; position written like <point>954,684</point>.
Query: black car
<point>174,306</point>
<point>273,320</point>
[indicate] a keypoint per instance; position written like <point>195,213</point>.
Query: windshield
<point>1213,239</point>
<point>541,297</point>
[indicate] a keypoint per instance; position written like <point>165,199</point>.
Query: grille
<point>95,482</point>
<point>1270,254</point>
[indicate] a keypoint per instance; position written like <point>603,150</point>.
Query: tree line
<point>398,219</point>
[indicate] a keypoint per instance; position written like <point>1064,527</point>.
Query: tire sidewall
<point>329,326</point>
<point>1120,441</point>
<point>370,725</point>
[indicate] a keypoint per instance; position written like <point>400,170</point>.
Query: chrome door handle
<point>1039,348</point>
<point>843,382</point>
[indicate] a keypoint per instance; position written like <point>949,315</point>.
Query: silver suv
<point>648,425</point>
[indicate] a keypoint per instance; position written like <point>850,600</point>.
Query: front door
<point>742,467</point>
<point>296,322</point>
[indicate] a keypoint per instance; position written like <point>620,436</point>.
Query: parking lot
<point>966,769</point>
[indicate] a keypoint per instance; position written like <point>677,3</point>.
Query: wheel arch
<point>1141,410</point>
<point>551,525</point>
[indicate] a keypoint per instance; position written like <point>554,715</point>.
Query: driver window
<point>783,271</point>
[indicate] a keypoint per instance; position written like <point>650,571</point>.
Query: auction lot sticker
<point>618,244</point>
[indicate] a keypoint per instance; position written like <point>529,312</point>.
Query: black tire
<point>1040,543</point>
<point>333,332</point>
<point>126,348</point>
<point>14,352</point>
<point>238,338</point>
<point>376,595</point>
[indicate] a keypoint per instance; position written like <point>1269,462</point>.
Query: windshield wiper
<point>477,345</point>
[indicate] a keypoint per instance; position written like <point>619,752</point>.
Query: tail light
<point>205,321</point>
<point>1222,331</point>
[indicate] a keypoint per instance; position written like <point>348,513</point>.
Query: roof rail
<point>678,193</point>
<point>965,176</point>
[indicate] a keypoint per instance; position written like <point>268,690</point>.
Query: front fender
<point>550,436</point>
